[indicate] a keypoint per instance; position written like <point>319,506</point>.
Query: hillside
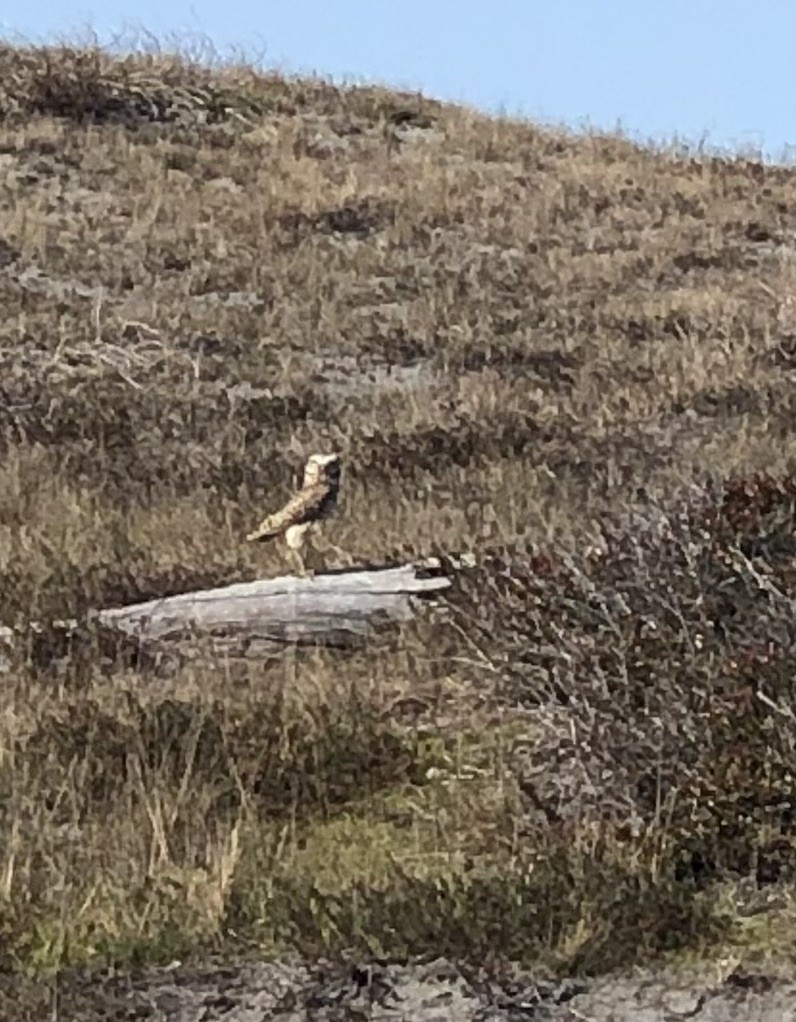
<point>570,355</point>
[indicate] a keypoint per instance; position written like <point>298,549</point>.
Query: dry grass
<point>510,334</point>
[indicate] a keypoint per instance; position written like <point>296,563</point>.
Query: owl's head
<point>322,468</point>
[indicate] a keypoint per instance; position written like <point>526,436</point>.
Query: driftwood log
<point>254,618</point>
<point>288,609</point>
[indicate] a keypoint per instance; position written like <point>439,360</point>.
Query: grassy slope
<point>507,332</point>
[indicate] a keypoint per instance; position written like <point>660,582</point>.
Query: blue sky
<point>722,71</point>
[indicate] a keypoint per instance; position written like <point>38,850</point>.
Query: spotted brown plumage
<point>315,501</point>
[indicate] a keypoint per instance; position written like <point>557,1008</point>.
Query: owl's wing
<point>305,506</point>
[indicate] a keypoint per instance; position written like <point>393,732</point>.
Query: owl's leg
<point>298,561</point>
<point>295,539</point>
<point>312,559</point>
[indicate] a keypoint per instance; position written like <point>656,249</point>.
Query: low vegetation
<point>569,355</point>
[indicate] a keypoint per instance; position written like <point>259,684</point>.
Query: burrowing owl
<point>303,513</point>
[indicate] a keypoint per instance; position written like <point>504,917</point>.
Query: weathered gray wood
<point>284,609</point>
<point>250,618</point>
